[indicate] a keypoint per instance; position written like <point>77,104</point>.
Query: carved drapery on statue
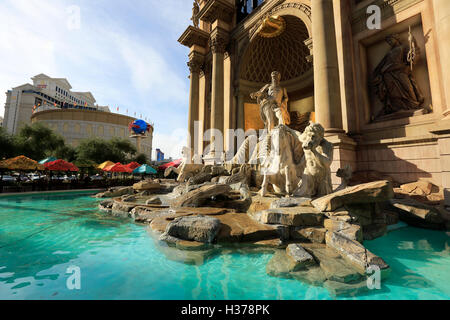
<point>393,81</point>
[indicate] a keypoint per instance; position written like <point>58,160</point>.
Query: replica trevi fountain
<point>279,199</point>
<point>278,193</point>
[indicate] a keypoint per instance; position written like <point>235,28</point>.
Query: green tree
<point>122,148</point>
<point>65,152</point>
<point>99,150</point>
<point>8,145</point>
<point>141,158</point>
<point>37,141</point>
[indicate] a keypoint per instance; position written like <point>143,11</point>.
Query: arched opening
<point>281,49</point>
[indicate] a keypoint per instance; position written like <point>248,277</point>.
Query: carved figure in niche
<point>273,100</point>
<point>393,81</point>
<point>317,159</point>
<point>195,11</point>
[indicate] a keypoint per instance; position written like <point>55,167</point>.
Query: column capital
<point>218,40</point>
<point>195,62</point>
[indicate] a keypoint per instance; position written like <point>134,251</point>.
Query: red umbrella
<point>175,164</point>
<point>133,165</point>
<point>60,165</point>
<point>118,167</point>
<point>73,168</point>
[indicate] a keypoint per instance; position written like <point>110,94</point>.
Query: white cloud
<point>110,55</point>
<point>150,73</point>
<point>171,144</point>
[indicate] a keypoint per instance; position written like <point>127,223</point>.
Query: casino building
<point>380,92</point>
<point>74,115</point>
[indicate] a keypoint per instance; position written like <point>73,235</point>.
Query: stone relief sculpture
<point>317,159</point>
<point>393,81</point>
<point>195,11</point>
<point>273,100</point>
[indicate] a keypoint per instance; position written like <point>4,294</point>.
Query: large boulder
<point>374,231</point>
<point>333,265</point>
<point>147,185</point>
<point>378,191</point>
<point>351,231</point>
<point>194,228</point>
<point>290,202</point>
<point>240,227</point>
<point>116,192</point>
<point>280,266</point>
<point>159,224</point>
<point>154,201</point>
<point>197,197</point>
<point>312,234</point>
<point>418,214</point>
<point>129,198</point>
<point>106,205</point>
<point>296,216</point>
<point>298,257</point>
<point>421,187</point>
<point>362,214</point>
<point>355,253</point>
<point>122,209</point>
<point>146,215</point>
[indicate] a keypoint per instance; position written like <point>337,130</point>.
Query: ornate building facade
<point>381,92</point>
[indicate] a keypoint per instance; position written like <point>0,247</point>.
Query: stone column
<point>240,123</point>
<point>326,72</point>
<point>195,64</point>
<point>442,17</point>
<point>218,42</point>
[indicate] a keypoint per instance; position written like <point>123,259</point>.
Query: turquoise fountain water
<point>42,236</point>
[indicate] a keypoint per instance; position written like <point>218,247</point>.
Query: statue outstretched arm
<point>259,93</point>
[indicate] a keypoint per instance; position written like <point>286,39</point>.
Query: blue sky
<point>125,52</point>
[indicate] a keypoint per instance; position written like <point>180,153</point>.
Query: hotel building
<point>74,115</point>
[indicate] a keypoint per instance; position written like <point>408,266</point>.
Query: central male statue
<point>273,100</point>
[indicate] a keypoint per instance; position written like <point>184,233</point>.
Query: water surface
<point>41,236</point>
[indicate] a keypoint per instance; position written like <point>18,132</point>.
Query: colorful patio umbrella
<point>175,164</point>
<point>49,159</point>
<point>133,165</point>
<point>61,165</point>
<point>144,169</point>
<point>105,164</point>
<point>21,163</point>
<point>118,167</point>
